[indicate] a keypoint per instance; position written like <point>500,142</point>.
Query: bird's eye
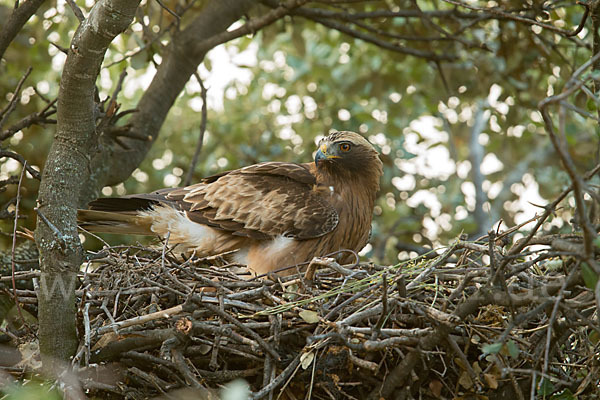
<point>345,147</point>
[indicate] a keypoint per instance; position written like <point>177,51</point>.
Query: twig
<point>287,372</point>
<point>384,311</point>
<point>76,10</point>
<point>35,174</point>
<point>559,298</point>
<point>112,104</point>
<point>181,364</point>
<point>192,167</point>
<point>253,25</point>
<point>40,117</point>
<point>528,21</point>
<point>429,270</point>
<point>57,234</point>
<point>13,247</point>
<point>6,111</point>
<point>215,310</point>
<point>377,41</point>
<point>167,9</point>
<point>588,232</point>
<point>141,319</point>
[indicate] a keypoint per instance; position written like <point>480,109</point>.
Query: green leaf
<point>591,105</point>
<point>554,265</point>
<point>564,395</point>
<point>513,349</point>
<point>493,348</point>
<point>139,60</point>
<point>589,276</point>
<point>545,388</point>
<point>594,337</point>
<point>207,63</point>
<point>595,74</point>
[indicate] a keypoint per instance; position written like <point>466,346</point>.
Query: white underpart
<point>202,238</point>
<point>279,244</point>
<point>190,234</point>
<point>274,248</point>
<point>241,256</point>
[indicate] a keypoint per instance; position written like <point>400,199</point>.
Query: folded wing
<point>261,202</point>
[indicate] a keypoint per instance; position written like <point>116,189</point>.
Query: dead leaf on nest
<point>306,359</point>
<point>465,380</point>
<point>491,381</point>
<point>309,316</point>
<point>436,388</point>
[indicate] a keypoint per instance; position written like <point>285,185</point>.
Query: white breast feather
<point>192,235</point>
<point>188,233</point>
<point>271,249</point>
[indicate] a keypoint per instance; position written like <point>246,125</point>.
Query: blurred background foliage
<point>271,95</point>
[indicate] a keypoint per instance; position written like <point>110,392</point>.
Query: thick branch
<point>181,59</point>
<point>15,22</point>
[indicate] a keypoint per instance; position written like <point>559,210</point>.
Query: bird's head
<point>347,151</point>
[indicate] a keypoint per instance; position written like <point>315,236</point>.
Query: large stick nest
<point>484,319</point>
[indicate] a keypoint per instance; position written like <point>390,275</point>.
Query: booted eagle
<point>272,214</point>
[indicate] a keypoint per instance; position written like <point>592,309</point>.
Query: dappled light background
<point>462,142</point>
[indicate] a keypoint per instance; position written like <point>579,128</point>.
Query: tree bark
<point>181,59</point>
<point>66,173</point>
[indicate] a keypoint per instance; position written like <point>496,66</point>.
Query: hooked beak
<point>323,155</point>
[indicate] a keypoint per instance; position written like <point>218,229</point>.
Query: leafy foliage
<point>300,79</point>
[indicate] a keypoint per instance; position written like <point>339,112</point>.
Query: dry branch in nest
<point>476,319</point>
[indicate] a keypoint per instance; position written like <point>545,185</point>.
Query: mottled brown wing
<point>260,201</point>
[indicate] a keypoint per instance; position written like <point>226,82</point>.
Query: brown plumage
<point>272,214</point>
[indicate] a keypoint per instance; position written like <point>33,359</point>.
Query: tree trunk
<point>66,173</point>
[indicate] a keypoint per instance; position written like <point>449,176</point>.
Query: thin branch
<point>192,168</point>
<point>37,118</point>
<point>352,16</point>
<point>167,9</point>
<point>559,297</point>
<point>142,319</point>
<point>501,13</point>
<point>579,110</point>
<point>34,173</point>
<point>76,10</point>
<point>287,372</point>
<point>572,85</point>
<point>10,107</point>
<point>13,247</point>
<point>251,26</point>
<point>306,13</point>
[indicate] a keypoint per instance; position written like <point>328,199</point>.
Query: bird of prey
<point>270,215</point>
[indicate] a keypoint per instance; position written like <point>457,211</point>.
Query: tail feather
<point>125,222</point>
<point>136,202</point>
